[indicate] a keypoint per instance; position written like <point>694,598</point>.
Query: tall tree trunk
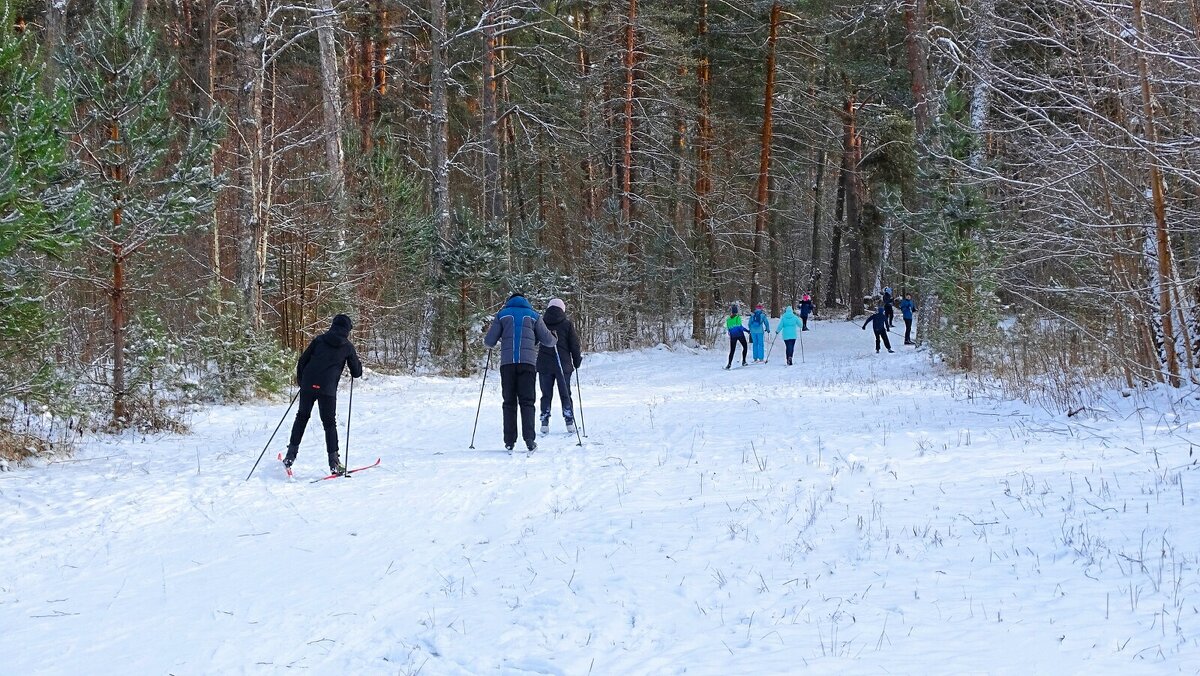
<point>627,139</point>
<point>1162,234</point>
<point>206,77</point>
<point>137,12</point>
<point>55,22</point>
<point>853,206</point>
<point>918,70</point>
<point>762,192</point>
<point>588,165</point>
<point>703,241</point>
<point>331,102</point>
<point>439,148</point>
<point>493,206</point>
<point>248,22</point>
<point>118,326</point>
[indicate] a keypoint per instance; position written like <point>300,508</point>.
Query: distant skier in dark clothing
<point>737,334</point>
<point>317,373</point>
<point>906,310</point>
<point>806,308</point>
<point>887,306</point>
<point>555,364</point>
<point>879,324</point>
<point>518,330</point>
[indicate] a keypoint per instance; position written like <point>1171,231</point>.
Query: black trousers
<point>887,309</point>
<point>803,322</point>
<point>518,382</point>
<point>791,348</point>
<point>733,341</point>
<point>327,407</point>
<point>547,381</point>
<point>908,330</point>
<point>883,335</point>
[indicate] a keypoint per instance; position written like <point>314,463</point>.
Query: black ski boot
<point>335,464</point>
<point>291,456</point>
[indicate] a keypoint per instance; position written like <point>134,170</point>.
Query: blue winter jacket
<point>906,308</point>
<point>878,321</point>
<point>789,323</point>
<point>806,308</point>
<point>518,330</point>
<point>760,323</point>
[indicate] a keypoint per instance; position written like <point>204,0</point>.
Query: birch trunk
<point>331,102</point>
<point>251,267</point>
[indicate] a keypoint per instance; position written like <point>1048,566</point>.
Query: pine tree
<point>145,181</point>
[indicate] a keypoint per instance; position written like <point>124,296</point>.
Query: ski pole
<point>264,450</point>
<point>561,372</point>
<point>771,347</point>
<point>349,410</point>
<point>478,406</point>
<point>579,389</point>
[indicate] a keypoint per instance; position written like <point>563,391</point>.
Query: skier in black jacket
<point>317,373</point>
<point>879,321</point>
<point>556,363</point>
<point>888,306</point>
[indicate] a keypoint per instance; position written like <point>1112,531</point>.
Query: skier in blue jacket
<point>906,309</point>
<point>787,326</point>
<point>519,331</point>
<point>760,324</point>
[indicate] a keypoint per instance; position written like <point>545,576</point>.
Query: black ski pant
<point>733,341</point>
<point>518,382</point>
<point>907,330</point>
<point>791,348</point>
<point>887,309</point>
<point>327,407</point>
<point>883,335</point>
<point>803,322</point>
<point>547,380</point>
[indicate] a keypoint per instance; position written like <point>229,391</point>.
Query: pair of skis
<point>331,476</point>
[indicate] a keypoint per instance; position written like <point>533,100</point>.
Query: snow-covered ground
<point>852,514</point>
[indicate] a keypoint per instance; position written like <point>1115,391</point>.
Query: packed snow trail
<point>845,515</point>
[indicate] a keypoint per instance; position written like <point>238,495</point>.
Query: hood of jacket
<point>787,311</point>
<point>553,316</point>
<point>339,331</point>
<point>518,302</point>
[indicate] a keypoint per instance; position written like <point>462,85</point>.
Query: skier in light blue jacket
<point>760,324</point>
<point>788,326</point>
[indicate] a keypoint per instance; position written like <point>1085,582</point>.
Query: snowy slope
<point>846,515</point>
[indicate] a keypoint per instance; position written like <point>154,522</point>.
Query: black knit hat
<point>343,322</point>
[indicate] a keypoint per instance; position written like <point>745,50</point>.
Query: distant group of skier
<point>542,349</point>
<point>789,325</point>
<point>884,319</point>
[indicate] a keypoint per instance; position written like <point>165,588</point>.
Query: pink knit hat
<point>557,302</point>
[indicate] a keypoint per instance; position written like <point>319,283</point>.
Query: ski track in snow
<point>846,515</point>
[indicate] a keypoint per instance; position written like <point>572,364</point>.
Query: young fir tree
<point>954,252</point>
<point>145,179</point>
<point>36,209</point>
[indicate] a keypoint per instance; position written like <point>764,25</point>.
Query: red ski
<point>285,467</point>
<point>349,471</point>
